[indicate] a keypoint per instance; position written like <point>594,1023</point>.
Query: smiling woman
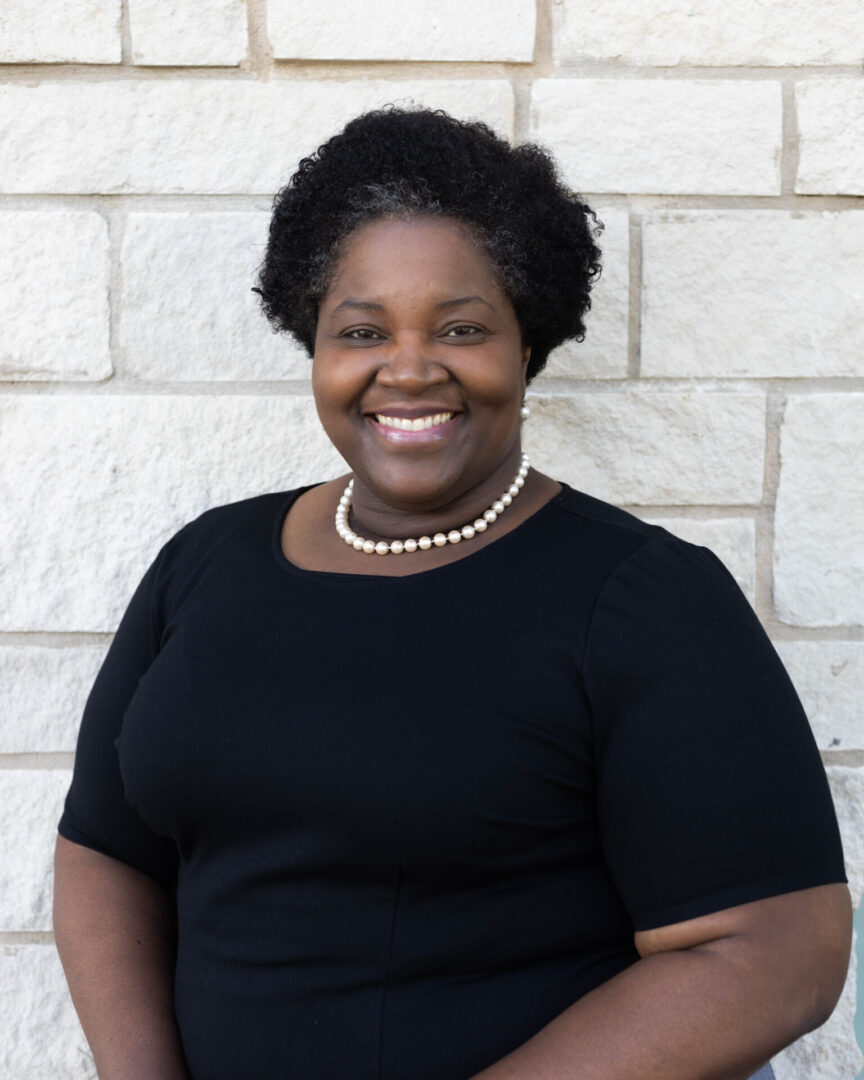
<point>442,769</point>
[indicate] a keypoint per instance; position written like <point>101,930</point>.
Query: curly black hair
<point>419,161</point>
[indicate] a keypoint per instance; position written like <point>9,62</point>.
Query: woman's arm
<point>115,933</point>
<point>712,998</point>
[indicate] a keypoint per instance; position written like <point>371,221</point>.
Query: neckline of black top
<point>497,545</point>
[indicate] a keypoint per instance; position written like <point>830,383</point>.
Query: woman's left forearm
<point>717,1010</point>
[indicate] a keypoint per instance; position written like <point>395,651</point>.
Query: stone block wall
<point>720,389</point>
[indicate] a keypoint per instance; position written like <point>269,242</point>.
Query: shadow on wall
<point>858,923</point>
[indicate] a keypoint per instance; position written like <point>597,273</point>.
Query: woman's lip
<point>414,438</point>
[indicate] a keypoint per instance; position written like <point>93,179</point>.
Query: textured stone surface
<point>93,484</point>
<point>51,31</point>
<point>831,140</point>
<point>819,520</point>
<point>42,695</point>
<point>603,353</point>
<point>42,1039</point>
<point>750,293</point>
<point>665,32</point>
<point>645,136</point>
<point>652,448</point>
<point>733,541</point>
<point>53,295</point>
<point>188,309</point>
<point>424,30</point>
<point>31,801</point>
<point>187,31</point>
<point>829,678</point>
<point>198,135</point>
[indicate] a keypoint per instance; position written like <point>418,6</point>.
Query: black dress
<point>410,820</point>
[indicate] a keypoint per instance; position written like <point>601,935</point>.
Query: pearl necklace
<point>396,547</point>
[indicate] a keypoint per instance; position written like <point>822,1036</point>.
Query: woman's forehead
<point>392,256</point>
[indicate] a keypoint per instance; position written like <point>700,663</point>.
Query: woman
<point>443,769</point>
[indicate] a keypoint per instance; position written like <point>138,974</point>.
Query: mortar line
<point>125,35</point>
<point>775,405</point>
<point>636,286</point>
<point>26,937</point>
<point>40,760</point>
<point>790,143</point>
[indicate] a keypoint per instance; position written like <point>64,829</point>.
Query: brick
<point>831,136</point>
<point>142,466</point>
<point>188,309</point>
<point>424,30</point>
<point>603,353</point>
<point>30,804</point>
<point>54,295</point>
<point>197,32</point>
<point>733,541</point>
<point>42,695</point>
<point>652,448</point>
<point>57,31</point>
<point>752,294</point>
<point>710,32</point>
<point>42,1038</point>
<point>218,136</point>
<point>829,678</point>
<point>650,136</point>
<point>819,520</point>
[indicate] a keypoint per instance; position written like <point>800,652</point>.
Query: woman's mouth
<point>413,430</point>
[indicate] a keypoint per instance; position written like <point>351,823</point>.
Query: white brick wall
<point>718,392</point>
<point>662,136</point>
<point>701,270</point>
<point>187,31</point>
<point>54,295</point>
<point>724,32</point>
<point>423,30</point>
<point>53,31</point>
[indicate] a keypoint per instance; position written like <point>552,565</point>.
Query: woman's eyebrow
<point>370,305</point>
<point>457,301</point>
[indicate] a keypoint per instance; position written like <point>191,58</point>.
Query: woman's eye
<point>463,330</point>
<point>362,333</point>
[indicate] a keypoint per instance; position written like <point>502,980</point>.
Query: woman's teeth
<point>404,424</point>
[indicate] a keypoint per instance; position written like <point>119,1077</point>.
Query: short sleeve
<point>96,813</point>
<point>710,788</point>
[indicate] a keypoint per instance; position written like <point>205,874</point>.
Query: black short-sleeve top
<point>410,820</point>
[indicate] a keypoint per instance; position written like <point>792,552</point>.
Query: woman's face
<point>415,331</point>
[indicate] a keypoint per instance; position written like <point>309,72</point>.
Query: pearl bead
<point>410,545</point>
<point>439,539</point>
<point>490,516</point>
<point>369,546</point>
<point>349,537</point>
<point>382,548</point>
<point>519,482</point>
<point>345,500</point>
<point>358,543</point>
<point>468,532</point>
<point>498,506</point>
<point>481,525</point>
<point>506,499</point>
<point>396,547</point>
<point>454,536</point>
<point>513,490</point>
<point>424,543</point>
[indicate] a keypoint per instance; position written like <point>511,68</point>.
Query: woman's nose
<point>409,365</point>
